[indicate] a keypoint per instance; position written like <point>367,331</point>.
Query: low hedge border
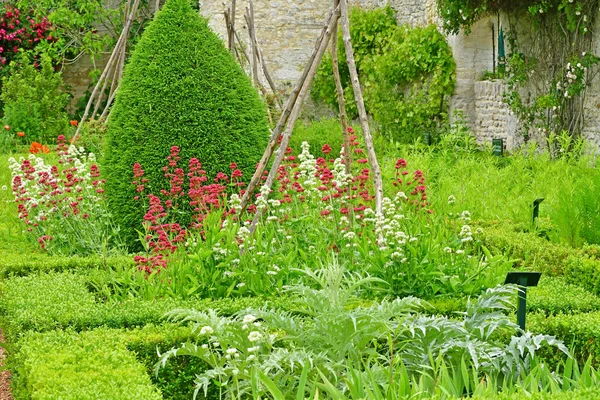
<point>579,332</point>
<point>87,365</point>
<point>22,265</point>
<point>44,302</point>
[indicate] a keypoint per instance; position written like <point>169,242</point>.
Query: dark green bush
<point>34,102</point>
<point>181,88</point>
<point>88,365</point>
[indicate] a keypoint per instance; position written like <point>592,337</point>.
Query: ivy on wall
<point>550,62</point>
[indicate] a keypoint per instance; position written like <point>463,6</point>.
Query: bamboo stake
<point>231,27</point>
<point>340,95</point>
<point>252,32</point>
<point>295,114</point>
<point>122,39</point>
<point>254,182</point>
<point>360,103</point>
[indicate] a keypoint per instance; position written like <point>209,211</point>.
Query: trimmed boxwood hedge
<point>43,302</point>
<point>181,87</point>
<point>88,365</point>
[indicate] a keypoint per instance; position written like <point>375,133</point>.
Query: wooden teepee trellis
<point>283,130</point>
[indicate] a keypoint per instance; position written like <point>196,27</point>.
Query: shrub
<point>43,302</point>
<point>19,265</point>
<point>34,103</point>
<point>408,74</point>
<point>555,295</point>
<point>88,365</point>
<point>580,332</point>
<point>181,87</point>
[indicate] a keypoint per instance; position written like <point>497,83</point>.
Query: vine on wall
<point>550,64</point>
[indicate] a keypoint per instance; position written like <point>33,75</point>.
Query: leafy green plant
<point>408,74</point>
<point>213,112</point>
<point>332,336</point>
<point>34,103</point>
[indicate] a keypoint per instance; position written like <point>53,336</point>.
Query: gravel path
<point>4,375</point>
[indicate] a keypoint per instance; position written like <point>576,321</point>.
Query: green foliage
<point>409,85</point>
<point>88,365</point>
<point>555,295</point>
<point>333,337</point>
<point>24,305</point>
<point>181,87</point>
<point>407,74</point>
<point>17,265</point>
<point>316,134</point>
<point>528,249</point>
<point>459,14</point>
<point>371,31</point>
<point>581,332</point>
<point>584,271</point>
<point>34,102</point>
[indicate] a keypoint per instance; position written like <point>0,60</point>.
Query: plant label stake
<point>523,280</point>
<point>498,147</point>
<point>536,208</point>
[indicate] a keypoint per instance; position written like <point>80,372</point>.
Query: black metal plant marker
<point>536,208</point>
<point>523,280</point>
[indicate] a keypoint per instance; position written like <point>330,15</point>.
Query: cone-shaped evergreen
<point>181,87</point>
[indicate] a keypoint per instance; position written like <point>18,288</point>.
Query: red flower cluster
<point>20,30</point>
<point>164,235</point>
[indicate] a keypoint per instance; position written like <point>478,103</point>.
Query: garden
<point>160,253</point>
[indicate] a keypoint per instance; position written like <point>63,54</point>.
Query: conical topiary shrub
<point>181,87</point>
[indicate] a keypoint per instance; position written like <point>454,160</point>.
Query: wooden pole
<point>362,113</point>
<point>295,114</point>
<point>340,95</point>
<point>262,165</point>
<point>231,27</point>
<point>253,52</point>
<point>120,42</point>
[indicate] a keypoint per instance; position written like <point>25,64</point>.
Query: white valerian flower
<point>447,249</point>
<point>451,199</point>
<point>4,187</point>
<point>216,344</point>
<point>205,346</point>
<point>241,284</point>
<point>460,252</point>
<point>254,336</point>
<point>231,351</point>
<point>253,349</point>
<point>248,319</point>
<point>271,272</point>
<point>206,330</point>
<point>250,357</point>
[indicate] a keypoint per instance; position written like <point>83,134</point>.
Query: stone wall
<point>492,117</point>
